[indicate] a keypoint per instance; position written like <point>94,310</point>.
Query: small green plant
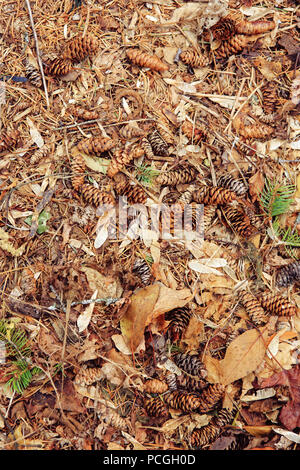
<point>276,199</point>
<point>44,216</point>
<point>146,174</point>
<point>17,356</point>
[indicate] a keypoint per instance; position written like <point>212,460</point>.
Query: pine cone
<point>147,148</point>
<point>40,153</point>
<point>253,308</point>
<point>195,134</point>
<point>88,376</point>
<point>82,113</point>
<point>214,195</point>
<point>185,401</point>
<point>277,305</point>
<point>233,45</point>
<point>141,269</point>
<point>209,213</point>
<point>131,131</point>
<point>157,143</point>
<point>95,196</point>
<point>210,397</point>
<point>58,67</point>
<point>155,407</point>
<point>78,167</point>
<point>171,219</point>
<point>223,418</point>
<point>111,417</point>
<point>33,75</point>
<point>96,145</point>
<point>254,27</point>
<point>270,98</point>
<point>194,59</point>
<point>180,318</point>
<point>249,131</point>
<point>146,60</point>
<point>166,132</point>
<point>171,381</point>
<point>135,194</point>
<point>191,384</point>
<point>78,48</point>
<point>190,364</point>
<point>187,196</point>
<point>236,185</point>
<point>223,29</point>
<point>120,159</point>
<point>172,178</point>
<point>288,275</point>
<point>155,386</point>
<point>9,140</point>
<point>205,435</point>
<point>239,222</point>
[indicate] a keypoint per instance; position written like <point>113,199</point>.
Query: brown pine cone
<point>190,364</point>
<point>187,196</point>
<point>288,275</point>
<point>58,67</point>
<point>214,195</point>
<point>209,433</point>
<point>134,194</point>
<point>96,145</point>
<point>95,196</point>
<point>249,131</point>
<point>120,160</point>
<point>157,143</point>
<point>239,222</point>
<point>223,29</point>
<point>130,131</point>
<point>156,407</point>
<point>277,305</point>
<point>209,213</point>
<point>194,59</point>
<point>254,27</point>
<point>141,269</point>
<point>88,376</point>
<point>191,384</point>
<point>78,167</point>
<point>205,435</point>
<point>82,113</point>
<point>172,178</point>
<point>236,185</point>
<point>9,140</point>
<point>195,134</point>
<point>155,386</point>
<point>166,132</point>
<point>233,45</point>
<point>185,401</point>
<point>270,98</point>
<point>147,148</point>
<point>78,48</point>
<point>180,318</point>
<point>210,398</point>
<point>253,308</point>
<point>33,75</point>
<point>146,60</point>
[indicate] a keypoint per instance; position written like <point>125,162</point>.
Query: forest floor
<point>122,337</point>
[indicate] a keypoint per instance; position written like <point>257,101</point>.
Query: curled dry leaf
<point>146,305</point>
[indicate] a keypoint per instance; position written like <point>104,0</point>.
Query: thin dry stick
<point>37,51</point>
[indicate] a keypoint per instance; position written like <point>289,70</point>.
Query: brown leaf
<point>69,398</point>
<point>256,184</point>
<point>134,321</point>
<point>243,355</point>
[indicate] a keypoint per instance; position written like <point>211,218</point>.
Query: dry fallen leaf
<point>243,355</point>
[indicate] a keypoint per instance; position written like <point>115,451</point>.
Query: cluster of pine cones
<point>258,307</point>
